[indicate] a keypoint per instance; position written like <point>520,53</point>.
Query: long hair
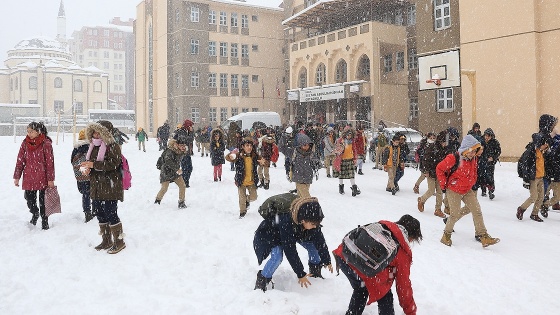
<point>39,127</point>
<point>412,227</point>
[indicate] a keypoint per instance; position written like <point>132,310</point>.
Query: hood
<point>490,132</point>
<point>217,131</point>
<point>547,123</point>
<point>100,127</point>
<point>469,143</point>
<point>302,139</point>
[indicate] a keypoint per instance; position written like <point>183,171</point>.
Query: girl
<point>36,162</point>
<point>217,148</point>
<point>346,149</point>
<point>81,147</point>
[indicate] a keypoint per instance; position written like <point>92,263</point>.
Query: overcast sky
<point>22,19</point>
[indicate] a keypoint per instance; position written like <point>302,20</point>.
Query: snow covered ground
<point>200,260</point>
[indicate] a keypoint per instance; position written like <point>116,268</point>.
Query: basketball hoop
<point>435,80</point>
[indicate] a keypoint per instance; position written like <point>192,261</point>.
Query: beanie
<point>82,135</point>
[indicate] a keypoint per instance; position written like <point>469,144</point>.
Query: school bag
<point>126,175</point>
<point>276,204</point>
<point>369,248</point>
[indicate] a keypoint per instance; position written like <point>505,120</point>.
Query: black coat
<point>171,163</point>
<point>239,163</point>
<point>526,167</point>
<point>217,149</point>
<point>552,163</point>
<point>433,154</point>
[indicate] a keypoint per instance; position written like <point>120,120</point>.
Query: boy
<point>392,158</point>
<point>171,169</point>
<point>304,165</point>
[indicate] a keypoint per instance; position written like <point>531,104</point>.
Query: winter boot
<point>544,211</point>
<point>341,189</point>
<point>89,216</point>
<point>488,240</point>
<point>45,223</point>
<point>187,184</point>
<point>242,215</point>
<point>34,218</point>
<point>556,206</point>
<point>118,235</point>
<point>491,194</point>
<point>446,239</point>
<point>535,217</point>
<point>483,191</point>
<point>261,282</point>
<point>438,213</point>
<point>394,191</point>
<point>416,189</point>
<point>355,191</point>
<point>105,233</point>
<point>157,202</point>
<point>520,212</point>
<point>266,185</point>
<point>360,172</point>
<point>182,204</point>
<point>315,271</point>
<point>421,205</point>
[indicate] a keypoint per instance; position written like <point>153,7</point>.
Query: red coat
<point>360,143</point>
<point>462,180</point>
<point>398,269</point>
<point>36,165</point>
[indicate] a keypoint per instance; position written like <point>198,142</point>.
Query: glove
<point>526,185</point>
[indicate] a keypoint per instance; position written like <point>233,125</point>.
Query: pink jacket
<point>37,166</point>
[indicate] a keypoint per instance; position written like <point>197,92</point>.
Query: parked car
<point>413,138</point>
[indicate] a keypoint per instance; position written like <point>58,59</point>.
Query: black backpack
<point>276,204</point>
<point>370,248</point>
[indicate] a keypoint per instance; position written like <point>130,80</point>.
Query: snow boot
<point>315,270</point>
<point>483,194</point>
<point>45,223</point>
<point>105,233</point>
<point>416,189</point>
<point>355,191</point>
<point>34,218</point>
<point>341,189</point>
<point>118,235</point>
<point>535,217</point>
<point>488,240</point>
<point>446,239</point>
<point>491,194</point>
<point>182,204</point>
<point>261,282</point>
<point>520,212</point>
<point>266,185</point>
<point>421,205</point>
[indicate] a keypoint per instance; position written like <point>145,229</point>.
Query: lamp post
<point>471,74</point>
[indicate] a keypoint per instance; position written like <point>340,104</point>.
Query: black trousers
<point>106,211</point>
<point>31,198</point>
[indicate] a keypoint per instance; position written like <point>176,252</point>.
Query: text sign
<point>330,93</point>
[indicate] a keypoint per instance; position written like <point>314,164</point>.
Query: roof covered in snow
<point>41,42</point>
<point>268,4</point>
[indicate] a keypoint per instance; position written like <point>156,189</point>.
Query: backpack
<point>276,204</point>
<point>369,248</point>
<point>126,175</point>
<point>523,163</point>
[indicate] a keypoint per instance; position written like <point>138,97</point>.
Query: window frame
<point>223,81</point>
<point>195,79</point>
<point>413,108</point>
<point>399,61</point>
<point>212,17</point>
<point>212,80</point>
<point>223,18</point>
<point>233,19</point>
<point>446,100</point>
<point>195,46</point>
<point>440,7</point>
<point>388,63</point>
<point>195,114</point>
<point>212,49</point>
<point>195,14</point>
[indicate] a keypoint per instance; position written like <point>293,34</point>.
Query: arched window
<point>57,82</point>
<point>78,85</point>
<point>97,86</point>
<point>302,78</point>
<point>341,71</point>
<point>363,72</point>
<point>32,83</point>
<point>320,74</point>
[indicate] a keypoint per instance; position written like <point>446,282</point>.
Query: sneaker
<point>394,191</point>
<point>520,212</point>
<point>535,217</point>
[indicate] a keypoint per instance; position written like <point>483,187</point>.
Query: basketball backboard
<point>439,70</point>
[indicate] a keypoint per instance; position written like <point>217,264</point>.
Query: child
<point>487,163</point>
<point>78,156</point>
<point>328,144</point>
<point>347,154</point>
<point>531,169</point>
<point>378,288</point>
<point>266,143</point>
<point>360,144</point>
<point>217,148</point>
<point>141,136</point>
<point>171,169</point>
<point>246,179</point>
<point>392,158</point>
<point>433,154</point>
<point>304,165</point>
<point>35,161</point>
<point>280,234</point>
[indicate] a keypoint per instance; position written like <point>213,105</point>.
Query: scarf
<point>102,149</point>
<point>33,144</point>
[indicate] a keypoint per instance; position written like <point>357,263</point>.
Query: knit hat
<point>468,144</point>
<point>188,123</point>
<point>82,135</point>
<point>308,209</point>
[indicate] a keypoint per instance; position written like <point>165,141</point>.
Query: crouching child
<point>170,169</point>
<point>290,221</point>
<point>372,276</point>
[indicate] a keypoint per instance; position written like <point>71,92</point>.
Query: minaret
<point>61,24</point>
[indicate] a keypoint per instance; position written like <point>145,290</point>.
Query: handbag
<point>52,201</point>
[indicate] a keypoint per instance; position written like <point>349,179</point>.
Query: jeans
<point>276,257</point>
<point>398,175</point>
<point>84,188</point>
<point>106,211</point>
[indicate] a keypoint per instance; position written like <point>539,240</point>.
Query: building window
<point>244,81</point>
<point>212,114</point>
<point>234,20</point>
<point>341,71</point>
<point>97,86</point>
<point>255,18</point>
<point>412,59</point>
<point>388,63</point>
<point>244,110</point>
<point>59,107</point>
<point>223,18</point>
<point>32,83</point>
<point>211,49</point>
<point>413,108</point>
<point>411,15</point>
<point>444,100</point>
<point>234,50</point>
<point>212,80</point>
<point>78,85</point>
<point>244,21</point>
<point>223,80</point>
<point>212,17</point>
<point>320,74</point>
<point>442,15</point>
<point>194,79</point>
<point>234,111</point>
<point>244,51</point>
<point>58,82</point>
<point>254,109</point>
<point>399,18</point>
<point>78,108</point>
<point>302,78</point>
<point>223,114</point>
<point>234,82</point>
<point>255,48</point>
<point>106,65</point>
<point>106,54</point>
<point>106,43</point>
<point>194,46</point>
<point>255,78</point>
<point>195,14</point>
<point>195,114</point>
<point>400,61</point>
<point>223,49</point>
